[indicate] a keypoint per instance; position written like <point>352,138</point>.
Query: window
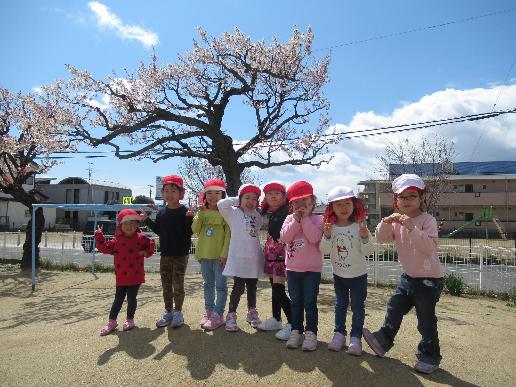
<point>76,196</point>
<point>106,197</point>
<point>484,186</point>
<point>468,188</point>
<point>477,194</point>
<point>68,196</point>
<point>436,214</point>
<point>468,216</point>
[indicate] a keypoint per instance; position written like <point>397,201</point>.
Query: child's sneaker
<point>425,368</point>
<point>108,328</point>
<point>177,319</point>
<point>164,320</point>
<point>373,343</point>
<point>271,324</point>
<point>214,322</point>
<point>253,317</point>
<point>355,346</point>
<point>284,333</point>
<point>310,342</point>
<point>338,342</point>
<point>295,340</point>
<point>128,324</point>
<point>206,317</point>
<point>231,322</point>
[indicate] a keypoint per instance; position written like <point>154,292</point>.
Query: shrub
<point>455,284</point>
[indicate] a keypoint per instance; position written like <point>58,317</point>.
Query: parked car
<point>108,228</point>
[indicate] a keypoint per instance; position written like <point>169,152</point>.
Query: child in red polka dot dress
<point>129,247</point>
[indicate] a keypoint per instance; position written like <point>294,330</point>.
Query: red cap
<point>127,215</point>
<point>249,188</point>
<point>299,190</point>
<point>173,179</point>
<point>214,185</point>
<point>274,186</point>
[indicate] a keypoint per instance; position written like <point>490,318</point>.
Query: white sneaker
<point>284,333</point>
<point>295,340</point>
<point>271,324</point>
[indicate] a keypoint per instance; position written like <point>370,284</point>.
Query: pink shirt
<point>302,243</point>
<point>416,248</point>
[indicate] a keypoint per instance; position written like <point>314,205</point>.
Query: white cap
<point>340,193</point>
<point>402,182</point>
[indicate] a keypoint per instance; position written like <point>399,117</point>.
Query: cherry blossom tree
<point>32,127</point>
<point>196,172</point>
<point>177,110</point>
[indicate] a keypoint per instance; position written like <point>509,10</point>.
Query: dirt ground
<point>50,337</point>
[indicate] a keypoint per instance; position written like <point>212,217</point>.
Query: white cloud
<point>108,19</point>
<point>355,159</point>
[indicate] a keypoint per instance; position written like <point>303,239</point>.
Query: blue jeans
<point>423,294</point>
<point>356,288</point>
<point>303,288</point>
<point>214,280</point>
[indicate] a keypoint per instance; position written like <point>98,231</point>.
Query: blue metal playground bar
<point>95,208</point>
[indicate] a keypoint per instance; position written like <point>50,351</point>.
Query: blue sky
<point>460,68</point>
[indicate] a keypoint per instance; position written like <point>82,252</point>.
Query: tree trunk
<point>233,174</point>
<point>26,262</point>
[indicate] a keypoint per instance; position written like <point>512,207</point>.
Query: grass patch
<point>46,264</point>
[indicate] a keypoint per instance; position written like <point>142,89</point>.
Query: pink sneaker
<point>108,328</point>
<point>128,324</point>
<point>355,346</point>
<point>206,317</point>
<point>231,322</point>
<point>338,342</point>
<point>214,322</point>
<point>253,318</point>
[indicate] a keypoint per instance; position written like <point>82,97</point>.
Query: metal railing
<point>481,266</point>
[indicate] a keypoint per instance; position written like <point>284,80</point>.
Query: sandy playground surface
<point>50,337</point>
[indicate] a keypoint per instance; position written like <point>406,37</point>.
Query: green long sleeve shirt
<point>213,235</point>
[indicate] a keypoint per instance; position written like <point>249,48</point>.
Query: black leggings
<point>239,285</point>
<point>121,291</point>
<point>280,301</point>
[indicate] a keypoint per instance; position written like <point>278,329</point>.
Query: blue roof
<point>460,168</point>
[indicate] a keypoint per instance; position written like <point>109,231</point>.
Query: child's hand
<point>143,215</point>
<point>202,206</point>
<point>327,228</point>
<point>190,212</point>
<point>363,231</point>
<point>407,222</point>
<point>393,218</point>
<point>98,231</point>
<point>222,261</point>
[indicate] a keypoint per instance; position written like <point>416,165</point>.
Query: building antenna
<point>90,170</point>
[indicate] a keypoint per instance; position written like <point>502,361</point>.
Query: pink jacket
<point>302,243</point>
<point>417,248</point>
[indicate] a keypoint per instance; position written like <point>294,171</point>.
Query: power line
<point>420,29</point>
<point>385,130</point>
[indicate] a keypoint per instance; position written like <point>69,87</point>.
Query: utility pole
<point>150,190</point>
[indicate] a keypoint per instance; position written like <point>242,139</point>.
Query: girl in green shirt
<point>212,251</point>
